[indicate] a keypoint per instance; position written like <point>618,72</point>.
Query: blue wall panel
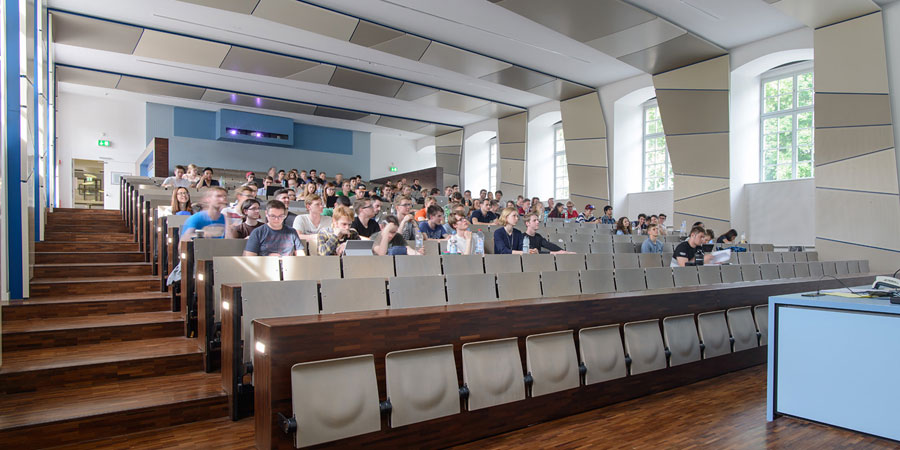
<point>195,123</point>
<point>321,139</point>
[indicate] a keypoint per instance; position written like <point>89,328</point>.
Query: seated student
<point>261,192</point>
<point>498,195</point>
<point>388,241</point>
<point>663,228</point>
<point>710,237</point>
<point>652,244</point>
<point>433,227</point>
<point>364,224</point>
<point>332,241</point>
<point>571,212</point>
<point>346,189</point>
<point>207,179</point>
<point>178,180</point>
<point>361,191</point>
<point>341,201</point>
<point>250,211</point>
<point>421,215</point>
<point>687,251</point>
<point>587,216</point>
<point>727,238</point>
<point>280,178</point>
<point>308,188</point>
<point>308,225</point>
<point>330,195</point>
<point>536,242</point>
<point>641,226</point>
<point>181,202</point>
<point>483,215</point>
<point>252,181</point>
<point>275,238</point>
<point>233,211</point>
<point>408,225</point>
<point>607,218</point>
<point>457,209</point>
<point>698,224</point>
<point>284,196</point>
<point>558,212</point>
<point>462,236</point>
<point>508,239</point>
<point>623,226</point>
<point>210,222</point>
<point>292,196</point>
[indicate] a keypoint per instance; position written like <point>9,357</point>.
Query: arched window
<point>786,122</point>
<point>656,166</point>
<point>492,164</point>
<point>560,166</point>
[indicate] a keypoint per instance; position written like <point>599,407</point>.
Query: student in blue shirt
<point>210,221</point>
<point>508,240</point>
<point>652,244</point>
<point>433,227</point>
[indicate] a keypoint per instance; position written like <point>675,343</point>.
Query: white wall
<point>539,176</point>
<point>81,121</point>
<point>782,212</point>
<point>476,156</point>
<point>387,150</point>
<point>891,17</point>
<point>623,107</point>
<point>650,203</point>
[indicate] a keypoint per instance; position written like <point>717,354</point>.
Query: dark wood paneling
<point>91,270</point>
<point>92,285</point>
<point>86,257</point>
<point>72,236</point>
<point>85,246</point>
<point>91,305</point>
<point>160,157</point>
<point>59,332</point>
<point>379,332</point>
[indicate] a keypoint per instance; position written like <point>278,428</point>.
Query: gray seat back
<point>411,292</point>
<point>742,328</point>
<point>626,260</point>
<point>570,262</point>
<point>502,263</point>
<point>471,288</point>
<point>551,360</point>
<point>630,280</point>
<point>801,269</point>
<point>557,284</point>
<point>786,270</point>
<point>749,272</point>
<point>369,266</point>
<point>353,294</point>
<point>264,299</point>
<point>517,286</point>
<point>714,334</point>
<point>602,353</point>
<point>684,276</point>
<point>680,333</point>
<point>644,345</point>
<point>598,261</point>
<point>462,264</point>
<point>538,263</point>
<point>651,260</point>
<point>416,398</point>
<point>492,370</point>
<point>417,265</point>
<point>713,274</point>
<point>659,278</point>
<point>597,281</point>
<point>306,268</point>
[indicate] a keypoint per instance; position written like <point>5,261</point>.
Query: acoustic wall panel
<point>693,104</point>
<point>512,132</point>
<point>448,151</point>
<point>584,128</point>
<point>857,194</point>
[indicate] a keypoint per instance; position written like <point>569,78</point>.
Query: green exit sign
<point>393,169</point>
<point>103,143</point>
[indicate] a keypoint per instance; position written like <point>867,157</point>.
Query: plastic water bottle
<point>743,238</point>
<point>452,245</point>
<point>420,240</point>
<point>525,244</point>
<point>479,242</point>
<point>683,226</point>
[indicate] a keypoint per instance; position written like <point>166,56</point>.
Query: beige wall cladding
<point>461,61</point>
<point>589,181</point>
<point>818,13</point>
<point>450,179</point>
<point>154,87</point>
<point>845,110</point>
<point>703,75</point>
<point>693,111</point>
<point>705,154</point>
<point>715,204</point>
<point>875,172</point>
<point>513,128</point>
<point>86,77</point>
<point>172,47</point>
<point>449,162</point>
<point>307,17</point>
<point>833,144</point>
<point>512,171</point>
<point>871,219</point>
<point>880,261</point>
<point>844,48</point>
<point>511,190</point>
<point>92,33</point>
<point>445,140</point>
<point>582,117</point>
<point>512,151</point>
<point>449,149</point>
<point>589,152</point>
<point>689,186</point>
<point>581,200</point>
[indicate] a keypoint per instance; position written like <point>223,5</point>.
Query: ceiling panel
<point>154,87</point>
<point>267,103</point>
<point>368,34</point>
<point>87,32</point>
<point>518,78</point>
<point>335,113</point>
<point>307,17</point>
<point>320,74</point>
<point>365,82</point>
<point>406,46</point>
<point>560,90</point>
<point>400,124</point>
<point>86,77</point>
<point>172,47</point>
<point>452,58</point>
<point>637,38</point>
<point>449,100</point>
<point>582,20</point>
<point>238,6</point>
<point>214,96</point>
<point>819,13</point>
<point>494,109</point>
<point>371,118</point>
<point>263,63</point>
<point>436,130</point>
<point>672,54</point>
<point>412,91</point>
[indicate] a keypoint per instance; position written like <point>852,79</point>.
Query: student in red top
<point>571,213</point>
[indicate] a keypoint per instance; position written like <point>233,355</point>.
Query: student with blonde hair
<point>333,240</point>
<point>508,240</point>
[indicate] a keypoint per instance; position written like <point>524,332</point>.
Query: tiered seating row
<point>493,373</point>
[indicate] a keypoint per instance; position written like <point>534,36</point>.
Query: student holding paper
<point>687,251</point>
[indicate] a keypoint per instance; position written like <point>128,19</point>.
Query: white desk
<point>836,361</point>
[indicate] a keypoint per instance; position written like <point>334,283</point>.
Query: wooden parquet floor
<point>728,412</point>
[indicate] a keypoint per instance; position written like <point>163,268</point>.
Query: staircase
<point>96,351</point>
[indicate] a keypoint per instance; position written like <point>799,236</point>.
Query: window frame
<point>792,70</point>
<point>558,188</point>
<point>493,166</point>
<point>670,180</point>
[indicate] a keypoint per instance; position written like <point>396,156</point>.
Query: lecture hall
<point>470,224</point>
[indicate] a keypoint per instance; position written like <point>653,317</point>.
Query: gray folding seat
<point>502,263</point>
<point>626,261</point>
<point>417,265</point>
<point>622,238</point>
<point>557,284</point>
<point>639,238</point>
<point>630,280</point>
<point>768,247</point>
<point>713,274</point>
<point>651,260</point>
<point>742,328</point>
<point>714,334</point>
<point>774,258</point>
<point>864,266</point>
<point>274,299</point>
<point>582,238</point>
<point>680,334</point>
<point>801,269</point>
<point>644,346</point>
<point>768,271</point>
<point>601,247</point>
<point>754,248</point>
<point>841,267</point>
<point>659,277</point>
<point>746,258</point>
<point>368,266</point>
<point>570,262</point>
<point>829,267</point>
<point>552,362</point>
<point>800,257</point>
<point>471,288</point>
<point>853,266</point>
<point>684,276</point>
<point>517,286</point>
<point>623,247</point>
<point>415,398</point>
<point>812,256</point>
<point>596,261</point>
<point>761,317</point>
<point>749,272</point>
<point>816,269</point>
<point>462,264</point>
<point>786,270</point>
<point>597,281</point>
<point>760,258</point>
<point>602,353</point>
<point>788,257</point>
<point>411,292</point>
<point>538,263</point>
<point>492,371</point>
<point>578,247</point>
<point>353,294</point>
<point>238,269</point>
<point>306,268</point>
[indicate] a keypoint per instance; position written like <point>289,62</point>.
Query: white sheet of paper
<point>721,256</point>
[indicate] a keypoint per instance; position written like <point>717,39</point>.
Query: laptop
<point>359,248</point>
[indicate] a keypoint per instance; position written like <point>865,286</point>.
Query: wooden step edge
<point>85,298</point>
<point>77,280</point>
<point>99,265</point>
<point>56,324</point>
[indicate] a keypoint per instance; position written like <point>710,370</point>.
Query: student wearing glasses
<point>364,224</point>
<point>250,209</point>
<point>408,224</point>
<point>275,238</point>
